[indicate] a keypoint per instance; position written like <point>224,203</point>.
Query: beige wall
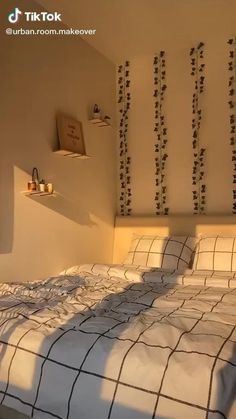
<point>215,128</point>
<point>40,76</point>
<point>135,30</point>
<point>214,133</point>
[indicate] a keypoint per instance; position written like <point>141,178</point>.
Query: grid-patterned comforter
<point>118,342</point>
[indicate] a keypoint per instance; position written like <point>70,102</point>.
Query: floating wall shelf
<point>38,193</point>
<point>99,122</point>
<point>67,153</point>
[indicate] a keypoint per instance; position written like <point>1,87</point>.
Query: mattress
<point>120,342</point>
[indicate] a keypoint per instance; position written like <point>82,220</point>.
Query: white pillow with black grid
<point>216,254</point>
<point>161,252</point>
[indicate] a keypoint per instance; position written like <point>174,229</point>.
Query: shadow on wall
<point>36,87</point>
<point>66,207</point>
<point>7,207</point>
<point>82,186</point>
<point>72,209</point>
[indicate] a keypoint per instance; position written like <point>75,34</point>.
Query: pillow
<point>161,252</point>
<point>216,254</point>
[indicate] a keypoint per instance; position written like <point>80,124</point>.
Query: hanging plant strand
<point>198,174</point>
<point>232,110</point>
<point>124,107</point>
<point>160,131</point>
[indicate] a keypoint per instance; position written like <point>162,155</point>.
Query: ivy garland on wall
<point>124,99</point>
<point>232,118</point>
<point>198,173</point>
<point>160,131</point>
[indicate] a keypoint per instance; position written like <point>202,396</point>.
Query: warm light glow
<point>215,229</point>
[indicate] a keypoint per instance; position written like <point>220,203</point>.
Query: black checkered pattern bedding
<point>216,253</point>
<point>161,252</point>
<point>120,342</point>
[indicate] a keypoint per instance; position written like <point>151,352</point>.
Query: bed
<point>122,341</point>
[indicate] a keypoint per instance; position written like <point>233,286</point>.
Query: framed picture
<point>70,135</point>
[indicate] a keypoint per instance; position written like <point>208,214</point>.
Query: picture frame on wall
<point>70,136</point>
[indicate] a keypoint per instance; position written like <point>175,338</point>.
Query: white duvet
<point>120,342</point>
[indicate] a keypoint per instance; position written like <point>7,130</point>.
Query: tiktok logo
<point>14,16</point>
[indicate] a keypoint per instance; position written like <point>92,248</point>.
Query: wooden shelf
<point>67,153</point>
<point>99,122</point>
<point>37,193</point>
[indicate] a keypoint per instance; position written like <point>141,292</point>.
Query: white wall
<point>39,77</point>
